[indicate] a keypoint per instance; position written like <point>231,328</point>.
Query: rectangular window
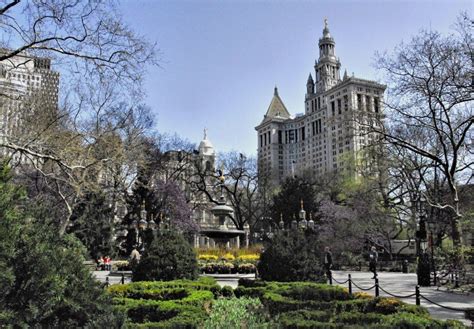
<point>280,137</point>
<point>333,109</point>
<point>376,104</point>
<point>261,140</point>
<point>339,106</point>
<point>302,134</point>
<point>319,103</point>
<point>367,103</point>
<point>359,101</point>
<point>291,136</point>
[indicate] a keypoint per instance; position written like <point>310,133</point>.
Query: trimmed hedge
<point>172,304</point>
<point>189,304</point>
<point>312,305</point>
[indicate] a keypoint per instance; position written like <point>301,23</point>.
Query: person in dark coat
<point>327,261</point>
<point>373,258</point>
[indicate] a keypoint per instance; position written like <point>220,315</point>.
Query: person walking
<point>373,258</point>
<point>134,257</point>
<point>327,261</point>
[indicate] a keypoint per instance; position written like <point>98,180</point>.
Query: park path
<point>403,284</point>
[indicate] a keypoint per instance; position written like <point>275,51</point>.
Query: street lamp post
<point>432,228</point>
<point>423,268</point>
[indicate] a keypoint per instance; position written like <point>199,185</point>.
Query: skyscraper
<point>334,128</point>
<point>28,95</point>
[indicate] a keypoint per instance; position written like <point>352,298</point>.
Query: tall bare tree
<point>241,187</point>
<point>430,108</point>
<point>93,139</point>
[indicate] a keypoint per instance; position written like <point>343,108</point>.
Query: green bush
<point>312,305</point>
<point>358,318</point>
<point>316,292</point>
<point>408,321</point>
<point>169,257</point>
<point>291,257</point>
<point>165,304</point>
<point>227,291</point>
<point>43,282</point>
<point>303,315</point>
<point>236,313</point>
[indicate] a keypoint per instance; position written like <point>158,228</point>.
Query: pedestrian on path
<point>373,258</point>
<point>327,261</point>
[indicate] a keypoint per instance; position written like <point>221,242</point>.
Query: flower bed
<point>225,267</point>
<point>224,261</point>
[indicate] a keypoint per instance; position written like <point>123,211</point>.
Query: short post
<point>376,287</point>
<point>107,283</point>
<point>330,277</point>
<point>417,295</point>
<point>349,280</point>
<point>123,279</point>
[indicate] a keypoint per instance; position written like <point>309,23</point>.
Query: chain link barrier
<point>397,296</point>
<point>343,282</point>
<point>402,297</point>
<point>364,289</point>
<point>444,306</point>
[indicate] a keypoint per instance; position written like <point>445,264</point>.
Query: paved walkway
<point>113,279</point>
<point>403,284</point>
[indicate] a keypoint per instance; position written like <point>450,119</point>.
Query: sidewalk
<point>403,284</point>
<point>102,277</point>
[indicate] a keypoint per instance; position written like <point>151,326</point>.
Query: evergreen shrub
<point>169,257</point>
<point>291,256</point>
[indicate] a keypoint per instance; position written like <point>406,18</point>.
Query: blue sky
<point>220,60</point>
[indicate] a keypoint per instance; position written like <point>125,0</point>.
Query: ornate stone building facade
<point>188,169</point>
<point>334,128</point>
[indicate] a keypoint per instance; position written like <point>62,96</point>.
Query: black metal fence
<point>418,296</point>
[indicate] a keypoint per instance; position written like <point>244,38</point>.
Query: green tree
<point>287,203</point>
<point>292,255</point>
<point>169,257</point>
<point>92,223</point>
<point>43,282</point>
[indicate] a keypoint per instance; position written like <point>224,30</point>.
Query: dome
<point>205,146</point>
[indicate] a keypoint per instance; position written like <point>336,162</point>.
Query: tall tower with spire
<point>332,132</point>
<point>327,66</point>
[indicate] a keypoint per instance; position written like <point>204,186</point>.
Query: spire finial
<point>221,174</point>
<point>345,75</point>
<point>326,29</point>
<point>205,133</point>
<point>275,91</point>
